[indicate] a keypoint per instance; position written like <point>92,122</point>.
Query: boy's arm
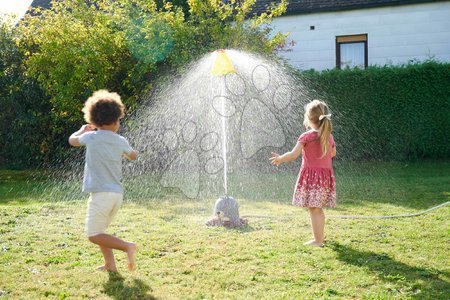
<point>132,155</point>
<point>74,139</point>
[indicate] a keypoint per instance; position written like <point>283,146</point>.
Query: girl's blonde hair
<point>317,112</point>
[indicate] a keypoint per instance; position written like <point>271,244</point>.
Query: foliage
<point>79,46</point>
<point>24,120</point>
<point>390,112</point>
<point>214,25</point>
<point>74,49</point>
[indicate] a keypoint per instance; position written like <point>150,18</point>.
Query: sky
<point>18,7</point>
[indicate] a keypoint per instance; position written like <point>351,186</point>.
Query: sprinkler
<point>226,210</point>
<point>222,64</point>
<point>226,213</point>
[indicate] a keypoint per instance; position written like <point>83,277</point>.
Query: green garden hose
<point>362,217</point>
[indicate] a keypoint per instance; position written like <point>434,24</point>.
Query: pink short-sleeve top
<point>312,151</point>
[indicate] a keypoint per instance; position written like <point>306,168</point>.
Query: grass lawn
<point>44,255</point>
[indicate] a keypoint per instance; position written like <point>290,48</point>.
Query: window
<point>351,51</point>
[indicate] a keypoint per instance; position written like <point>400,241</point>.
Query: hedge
<point>395,113</point>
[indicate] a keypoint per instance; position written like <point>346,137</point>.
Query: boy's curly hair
<point>103,108</point>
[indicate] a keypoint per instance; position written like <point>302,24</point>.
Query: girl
<point>315,186</point>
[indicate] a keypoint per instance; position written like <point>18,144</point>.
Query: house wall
<point>396,34</point>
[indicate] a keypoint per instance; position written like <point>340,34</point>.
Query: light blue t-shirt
<point>103,167</point>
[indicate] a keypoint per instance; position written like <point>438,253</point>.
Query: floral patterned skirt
<point>315,187</point>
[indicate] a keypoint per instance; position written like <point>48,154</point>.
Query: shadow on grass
<point>117,288</point>
<point>418,283</point>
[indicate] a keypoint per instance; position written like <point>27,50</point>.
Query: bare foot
<point>132,248</point>
<point>106,268</point>
<point>313,243</point>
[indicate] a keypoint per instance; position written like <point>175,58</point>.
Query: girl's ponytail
<point>324,133</point>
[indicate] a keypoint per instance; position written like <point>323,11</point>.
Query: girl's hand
<point>275,159</point>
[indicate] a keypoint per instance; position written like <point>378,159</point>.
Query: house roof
<point>312,6</point>
<point>307,6</point>
<point>41,3</point>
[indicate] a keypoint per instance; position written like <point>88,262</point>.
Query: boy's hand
<point>86,128</point>
<point>132,155</point>
<point>74,139</point>
<point>275,159</point>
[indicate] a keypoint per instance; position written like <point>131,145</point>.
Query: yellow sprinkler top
<point>222,65</point>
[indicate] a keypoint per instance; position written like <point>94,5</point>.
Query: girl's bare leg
<point>318,226</point>
<point>109,241</point>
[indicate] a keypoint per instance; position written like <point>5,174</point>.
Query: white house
<point>339,33</point>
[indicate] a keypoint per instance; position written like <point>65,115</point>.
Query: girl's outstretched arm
<point>277,159</point>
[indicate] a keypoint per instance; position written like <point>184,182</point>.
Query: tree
<point>218,24</point>
<point>24,115</point>
<point>79,46</point>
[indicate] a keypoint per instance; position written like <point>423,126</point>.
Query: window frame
<point>352,39</point>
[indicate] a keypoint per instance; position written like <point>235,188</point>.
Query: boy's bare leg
<point>112,242</point>
<point>110,263</point>
<point>318,226</point>
<point>131,257</point>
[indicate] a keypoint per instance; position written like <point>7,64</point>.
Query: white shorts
<point>102,207</point>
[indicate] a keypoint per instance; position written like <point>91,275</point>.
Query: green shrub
<point>390,112</point>
<point>25,133</point>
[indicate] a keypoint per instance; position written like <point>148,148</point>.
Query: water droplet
<point>282,97</point>
<point>170,139</point>
<point>189,131</point>
<point>235,84</point>
<point>261,77</point>
<point>230,108</point>
<point>209,141</point>
<point>214,165</point>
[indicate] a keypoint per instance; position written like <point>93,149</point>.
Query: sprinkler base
<point>226,213</point>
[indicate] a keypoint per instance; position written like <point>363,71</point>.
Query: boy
<point>103,172</point>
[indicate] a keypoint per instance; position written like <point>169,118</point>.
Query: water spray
<point>226,209</point>
<point>223,66</point>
